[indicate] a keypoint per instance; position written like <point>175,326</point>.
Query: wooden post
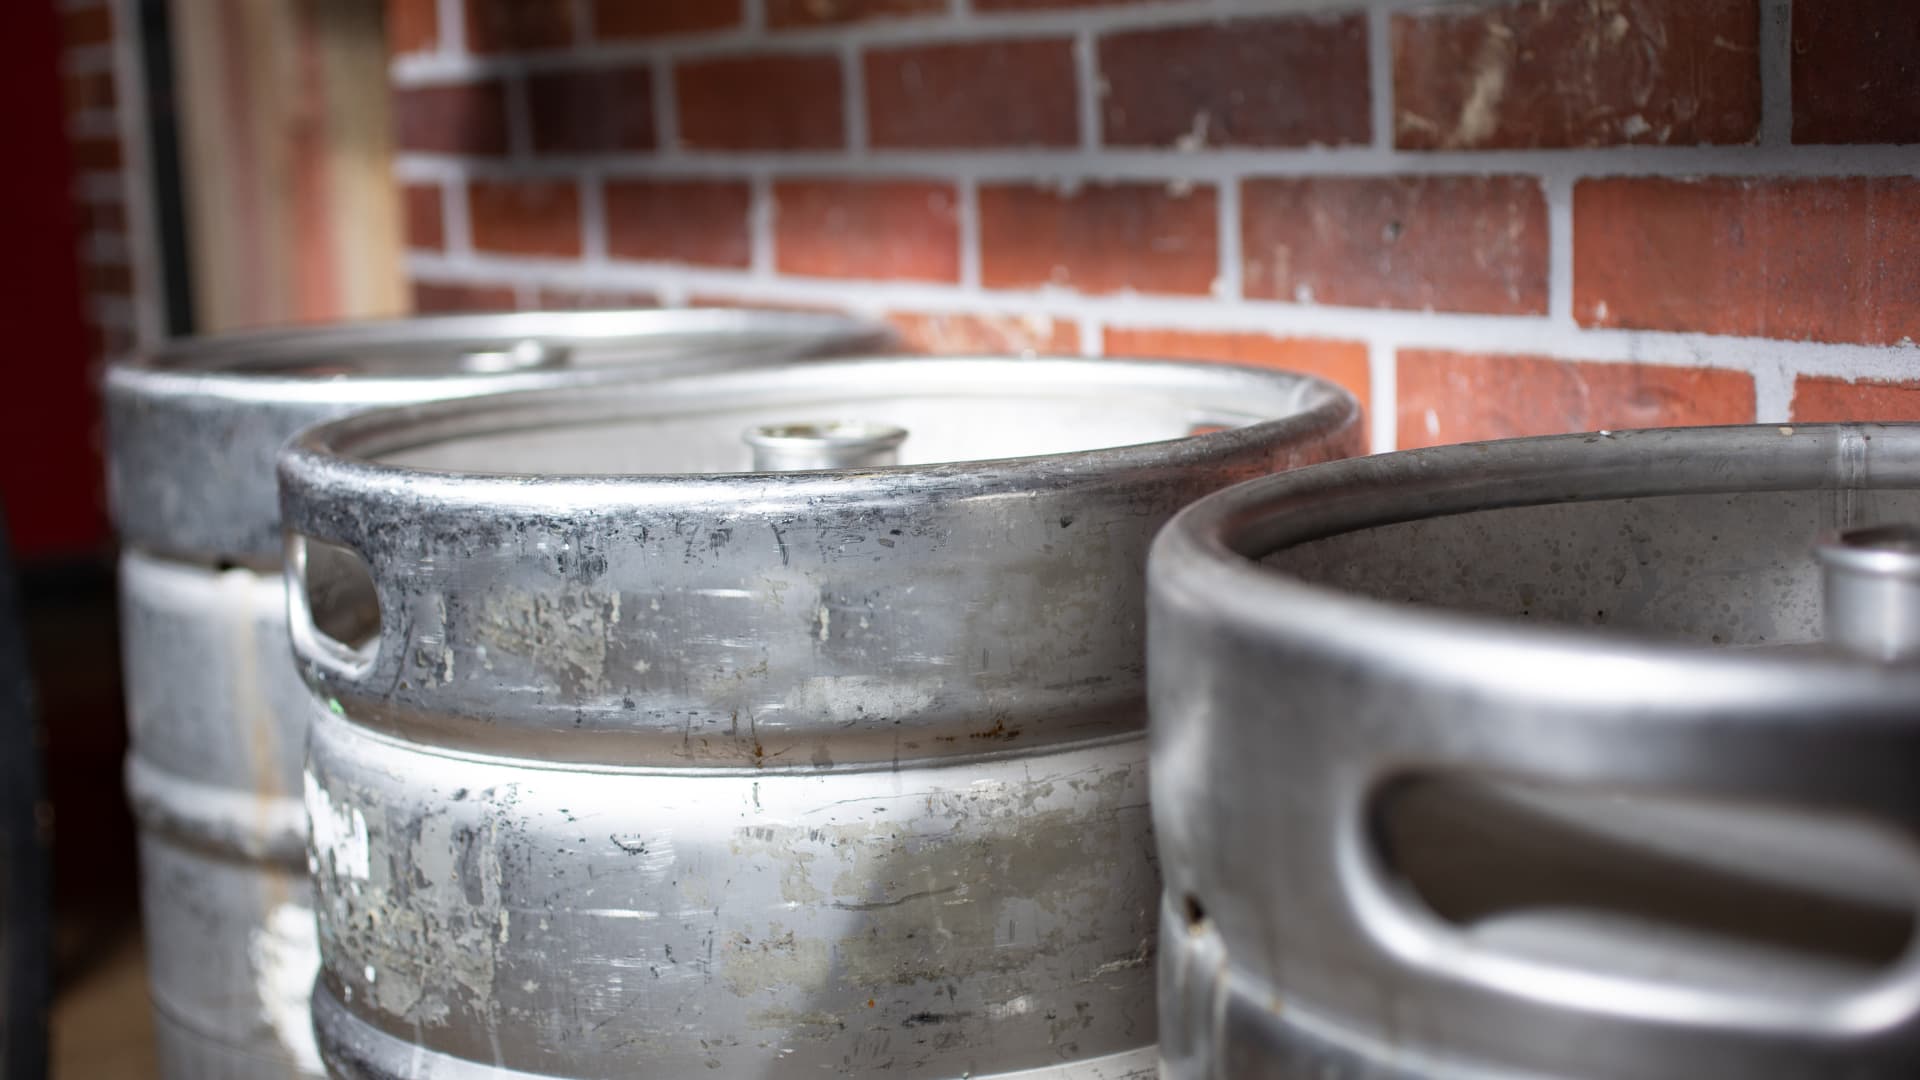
<point>292,210</point>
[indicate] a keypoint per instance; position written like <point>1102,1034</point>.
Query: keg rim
<point>1205,563</point>
<point>193,428</point>
<point>310,364</point>
<point>342,452</point>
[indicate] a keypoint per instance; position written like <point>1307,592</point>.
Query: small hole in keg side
<point>1196,915</point>
<point>341,598</point>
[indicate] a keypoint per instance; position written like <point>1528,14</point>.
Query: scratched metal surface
<point>797,774</point>
<point>1529,758</point>
<point>215,706</point>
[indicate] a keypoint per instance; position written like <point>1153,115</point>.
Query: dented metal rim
<point>1207,559</point>
<point>194,426</point>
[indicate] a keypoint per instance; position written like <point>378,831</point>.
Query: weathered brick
<point>972,95</point>
<point>1048,5</point>
<point>1100,238</point>
<point>87,26</point>
<point>1445,243</point>
<point>591,110</point>
<point>564,298</point>
<point>902,229</point>
<point>1830,399</point>
<point>96,153</point>
<point>1450,397</point>
<point>1856,72</point>
<point>1286,81</point>
<point>1595,73</point>
<point>1819,259</point>
<point>525,217</point>
<point>772,102</point>
<point>1340,362</point>
<point>90,90</point>
<point>413,25</point>
<point>619,20</point>
<point>463,118</point>
<point>104,217</point>
<point>426,226</point>
<point>795,14</point>
<point>958,332</point>
<point>519,25</point>
<point>110,279</point>
<point>452,297</point>
<point>693,221</point>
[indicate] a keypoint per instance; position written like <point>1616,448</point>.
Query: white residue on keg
<point>339,832</point>
<point>283,953</point>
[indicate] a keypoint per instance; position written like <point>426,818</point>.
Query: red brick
<point>87,26</point>
<point>903,229</point>
<point>449,297</point>
<point>775,102</point>
<point>525,217</point>
<point>1287,81</point>
<point>693,221</point>
<point>1340,362</point>
<point>792,14</point>
<point>1856,72</point>
<point>1100,238</point>
<point>557,298</point>
<point>426,227</point>
<point>107,217</point>
<point>495,26</point>
<point>90,90</point>
<point>1828,399</point>
<point>1801,259</point>
<point>955,332</point>
<point>1445,243</point>
<point>1448,397</point>
<point>464,118</point>
<point>1599,73</point>
<point>620,20</point>
<point>985,94</point>
<point>110,279</point>
<point>101,153</point>
<point>412,26</point>
<point>593,110</point>
<point>1047,5</point>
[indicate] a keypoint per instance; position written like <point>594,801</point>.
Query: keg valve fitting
<point>1871,591</point>
<point>833,444</point>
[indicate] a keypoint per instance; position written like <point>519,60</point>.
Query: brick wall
<point>96,65</point>
<point>1486,219</point>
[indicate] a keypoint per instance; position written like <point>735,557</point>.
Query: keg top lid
<point>1264,554</point>
<point>193,427</point>
<point>959,416</point>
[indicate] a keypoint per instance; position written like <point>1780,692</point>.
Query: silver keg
<point>787,723</point>
<point>1585,756</point>
<point>215,706</point>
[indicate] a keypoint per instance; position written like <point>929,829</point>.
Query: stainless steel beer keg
<point>214,703</point>
<point>1586,756</point>
<point>638,754</point>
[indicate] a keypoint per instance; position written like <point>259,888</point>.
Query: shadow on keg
<point>1680,891</point>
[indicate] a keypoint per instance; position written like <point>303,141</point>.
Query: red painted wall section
<point>50,438</point>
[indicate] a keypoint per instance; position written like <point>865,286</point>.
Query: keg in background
<point>629,759</point>
<point>213,701</point>
<point>1533,758</point>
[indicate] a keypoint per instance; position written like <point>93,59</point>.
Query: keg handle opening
<point>1456,934</point>
<point>827,444</point>
<point>333,606</point>
<point>1870,591</point>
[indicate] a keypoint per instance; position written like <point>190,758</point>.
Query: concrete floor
<point>102,1025</point>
